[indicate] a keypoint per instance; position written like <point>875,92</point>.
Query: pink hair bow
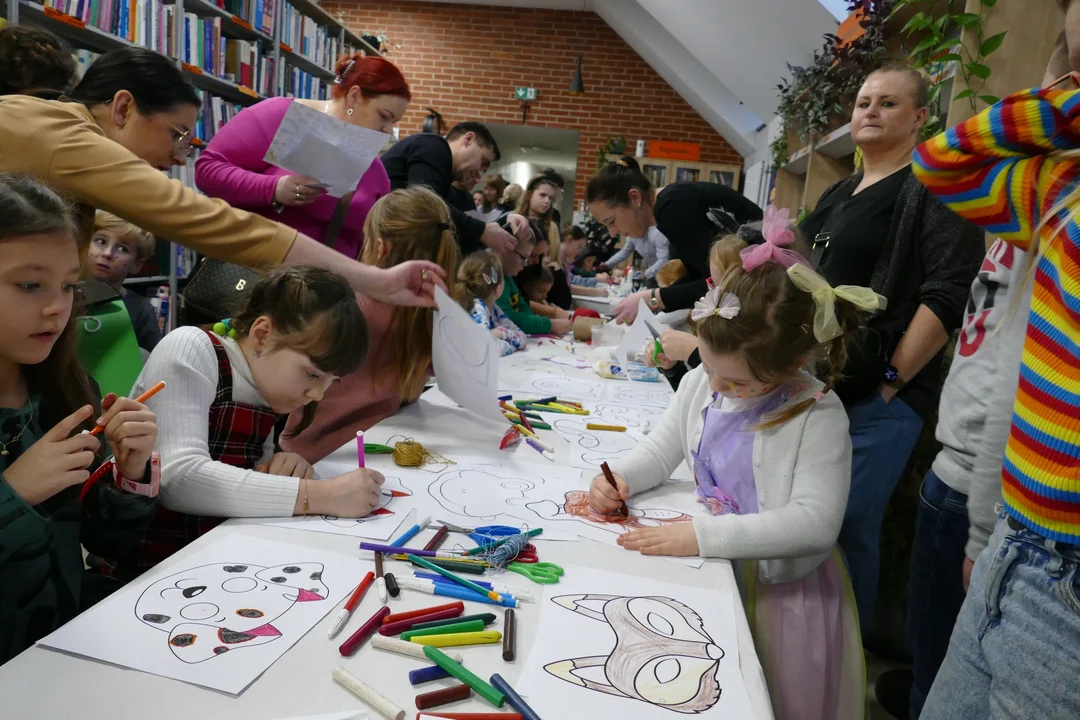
<point>716,302</point>
<point>777,235</point>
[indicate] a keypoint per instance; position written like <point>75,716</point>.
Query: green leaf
<point>950,57</point>
<point>967,20</point>
<point>992,43</point>
<point>925,44</point>
<point>917,22</point>
<point>941,24</point>
<point>989,3</point>
<point>978,70</point>
<point>990,99</point>
<point>964,94</point>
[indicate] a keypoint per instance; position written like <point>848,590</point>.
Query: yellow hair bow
<point>826,326</point>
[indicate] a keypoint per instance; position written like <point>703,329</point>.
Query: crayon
<point>482,637</point>
<point>368,694</point>
<point>427,674</point>
<point>408,649</point>
<point>487,618</point>
<point>480,687</point>
<point>400,626</point>
<point>513,698</point>
<point>366,630</point>
<point>459,627</point>
<point>445,696</point>
<point>509,635</point>
<point>437,540</point>
<point>600,426</point>
<point>413,614</point>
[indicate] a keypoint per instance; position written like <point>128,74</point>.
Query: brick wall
<point>465,60</point>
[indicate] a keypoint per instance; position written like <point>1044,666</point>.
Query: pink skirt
<point>806,633</point>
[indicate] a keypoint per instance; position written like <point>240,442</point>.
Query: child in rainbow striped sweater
<point>1009,170</point>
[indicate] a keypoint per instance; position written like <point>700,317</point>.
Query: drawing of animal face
<point>480,493</point>
<point>662,655</point>
<point>577,504</point>
<point>211,609</point>
<point>386,494</point>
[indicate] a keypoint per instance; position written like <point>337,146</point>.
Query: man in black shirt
<point>437,162</point>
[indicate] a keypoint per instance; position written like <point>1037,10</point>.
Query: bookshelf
<point>235,52</point>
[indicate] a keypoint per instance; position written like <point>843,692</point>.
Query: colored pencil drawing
<point>662,655</point>
<point>379,524</point>
<point>637,393</point>
<point>575,506</point>
<point>209,610</point>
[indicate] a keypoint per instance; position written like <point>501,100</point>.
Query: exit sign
<point>524,93</point>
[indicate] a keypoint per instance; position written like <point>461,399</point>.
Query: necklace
<point>4,446</point>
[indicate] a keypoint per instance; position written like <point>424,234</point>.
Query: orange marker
<point>141,399</point>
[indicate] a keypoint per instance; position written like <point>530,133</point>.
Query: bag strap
<point>337,220</point>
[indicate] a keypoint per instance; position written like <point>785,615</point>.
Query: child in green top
<point>514,303</point>
<point>45,398</point>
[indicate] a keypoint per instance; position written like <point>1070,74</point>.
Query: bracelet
<point>146,489</point>
<point>278,207</point>
<point>307,505</point>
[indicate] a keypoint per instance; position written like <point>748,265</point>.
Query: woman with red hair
<point>369,92</point>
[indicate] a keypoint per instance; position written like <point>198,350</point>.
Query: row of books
<point>308,38</point>
<point>257,13</point>
<point>215,112</point>
<point>148,23</point>
<point>244,64</point>
<point>299,84</point>
<point>237,60</point>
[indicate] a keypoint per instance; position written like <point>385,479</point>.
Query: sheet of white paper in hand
<point>466,360</point>
<point>301,141</point>
<point>611,645</point>
<point>638,334</point>
<point>218,618</point>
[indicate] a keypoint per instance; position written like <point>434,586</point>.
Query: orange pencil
<point>141,399</point>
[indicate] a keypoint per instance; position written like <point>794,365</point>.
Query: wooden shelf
<point>70,28</point>
<point>322,17</point>
<point>231,25</point>
<point>799,161</point>
<point>239,94</point>
<point>308,66</point>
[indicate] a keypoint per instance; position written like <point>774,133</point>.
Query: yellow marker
<point>596,426</point>
<point>483,637</point>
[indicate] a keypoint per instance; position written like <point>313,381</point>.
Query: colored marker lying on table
<point>536,446</point>
<point>154,390</point>
<point>456,591</point>
<point>397,548</point>
<point>522,595</point>
<point>459,580</point>
<point>380,581</point>
<point>464,565</point>
<point>411,532</point>
<point>354,600</point>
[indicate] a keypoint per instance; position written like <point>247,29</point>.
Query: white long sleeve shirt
<point>802,472</point>
<point>653,248</point>
<point>192,482</point>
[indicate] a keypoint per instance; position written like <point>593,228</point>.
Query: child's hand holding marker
<point>607,499</point>
<point>354,494</point>
<point>54,462</point>
<point>131,431</point>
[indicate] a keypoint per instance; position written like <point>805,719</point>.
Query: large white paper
<point>638,393</point>
<point>612,645</point>
<point>592,448</point>
<point>578,389</point>
<point>319,146</point>
<point>218,618</point>
<point>466,359</point>
<point>638,334</point>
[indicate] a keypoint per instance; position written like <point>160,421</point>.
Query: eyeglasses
<point>182,146</point>
<point>524,258</point>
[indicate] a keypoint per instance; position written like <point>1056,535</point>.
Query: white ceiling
<point>724,57</point>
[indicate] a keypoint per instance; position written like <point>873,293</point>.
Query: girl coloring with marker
<point>45,400</point>
<point>482,282</point>
<point>772,460</point>
<point>299,331</point>
<point>409,224</point>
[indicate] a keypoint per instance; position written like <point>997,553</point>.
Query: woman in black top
<point>690,215</point>
<point>880,228</point>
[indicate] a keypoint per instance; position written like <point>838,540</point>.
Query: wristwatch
<point>892,377</point>
<point>654,301</point>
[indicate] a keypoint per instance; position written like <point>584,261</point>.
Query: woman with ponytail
<point>369,92</point>
<point>771,455</point>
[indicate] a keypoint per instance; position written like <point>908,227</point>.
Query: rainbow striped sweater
<point>997,171</point>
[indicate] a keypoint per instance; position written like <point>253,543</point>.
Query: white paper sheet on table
<point>345,715</point>
<point>638,334</point>
<point>317,145</point>
<point>591,448</point>
<point>218,618</point>
<point>612,645</point>
<point>466,360</point>
<point>564,387</point>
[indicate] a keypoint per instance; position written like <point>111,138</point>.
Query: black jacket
<point>682,214</point>
<point>426,159</point>
<point>930,258</point>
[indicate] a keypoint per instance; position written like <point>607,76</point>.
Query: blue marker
<point>411,533</point>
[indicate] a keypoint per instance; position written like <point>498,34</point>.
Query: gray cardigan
<point>929,258</point>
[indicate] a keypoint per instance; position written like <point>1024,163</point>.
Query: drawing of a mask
<point>211,609</point>
<point>662,655</point>
<point>478,493</point>
<point>392,488</point>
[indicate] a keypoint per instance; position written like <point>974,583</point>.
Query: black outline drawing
<point>193,638</point>
<point>662,654</point>
<point>637,393</point>
<point>379,513</point>
<point>629,415</point>
<point>594,446</point>
<point>563,387</point>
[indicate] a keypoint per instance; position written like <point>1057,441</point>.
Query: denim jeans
<point>1015,652</point>
<point>882,438</point>
<point>936,587</point>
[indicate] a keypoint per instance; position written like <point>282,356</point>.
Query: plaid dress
<point>237,437</point>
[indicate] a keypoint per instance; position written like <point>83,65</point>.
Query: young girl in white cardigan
<point>772,461</point>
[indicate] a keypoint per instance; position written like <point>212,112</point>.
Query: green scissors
<point>541,573</point>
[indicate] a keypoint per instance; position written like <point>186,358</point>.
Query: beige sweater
<point>62,145</point>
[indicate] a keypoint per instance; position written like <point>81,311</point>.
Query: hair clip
<point>777,234</point>
<point>225,328</point>
<point>622,163</point>
<point>716,303</point>
<point>341,78</point>
<point>491,276</point>
<point>826,326</point>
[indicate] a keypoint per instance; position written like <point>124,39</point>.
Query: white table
<point>41,683</point>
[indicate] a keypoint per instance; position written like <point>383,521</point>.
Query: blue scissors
<point>485,534</point>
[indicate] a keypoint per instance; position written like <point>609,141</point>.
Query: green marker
<point>469,626</point>
<point>480,687</point>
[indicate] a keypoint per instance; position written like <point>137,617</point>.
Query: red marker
<point>354,600</point>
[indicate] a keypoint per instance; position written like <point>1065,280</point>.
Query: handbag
<point>217,289</point>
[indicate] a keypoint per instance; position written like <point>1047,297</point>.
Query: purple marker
<point>395,550</point>
<point>536,446</point>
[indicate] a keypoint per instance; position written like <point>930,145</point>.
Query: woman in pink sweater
<point>369,92</point>
<point>410,224</point>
